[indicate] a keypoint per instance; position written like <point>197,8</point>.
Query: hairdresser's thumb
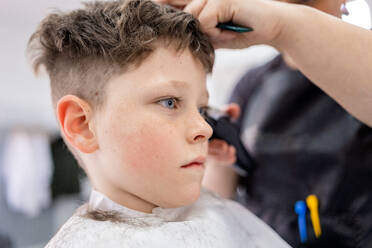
<point>195,7</point>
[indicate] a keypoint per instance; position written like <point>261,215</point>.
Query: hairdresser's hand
<point>219,152</point>
<point>179,4</point>
<point>261,15</point>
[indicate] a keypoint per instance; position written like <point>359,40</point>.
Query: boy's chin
<point>184,198</point>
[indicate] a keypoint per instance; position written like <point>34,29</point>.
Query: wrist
<point>269,18</point>
<point>291,25</point>
<point>283,21</point>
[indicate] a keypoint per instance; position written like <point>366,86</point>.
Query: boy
<point>128,82</point>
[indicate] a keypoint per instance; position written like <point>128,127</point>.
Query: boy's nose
<point>198,130</point>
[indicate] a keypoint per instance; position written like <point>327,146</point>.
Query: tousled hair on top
<point>82,49</point>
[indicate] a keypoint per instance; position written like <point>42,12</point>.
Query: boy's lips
<point>198,162</point>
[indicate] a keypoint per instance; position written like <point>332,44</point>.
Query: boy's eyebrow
<point>179,85</point>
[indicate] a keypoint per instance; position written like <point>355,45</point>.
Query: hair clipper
<point>224,129</point>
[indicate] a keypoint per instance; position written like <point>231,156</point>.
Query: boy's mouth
<point>198,162</point>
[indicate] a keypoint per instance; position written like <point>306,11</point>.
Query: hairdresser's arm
<point>335,55</point>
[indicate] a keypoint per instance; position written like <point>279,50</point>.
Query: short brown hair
<point>82,49</point>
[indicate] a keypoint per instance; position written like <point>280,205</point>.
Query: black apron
<point>304,143</point>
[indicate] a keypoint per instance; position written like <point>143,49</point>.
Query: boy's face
<point>149,127</point>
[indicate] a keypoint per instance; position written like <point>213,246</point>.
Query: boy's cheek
<point>152,148</point>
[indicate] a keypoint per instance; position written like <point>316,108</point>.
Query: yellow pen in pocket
<point>313,205</point>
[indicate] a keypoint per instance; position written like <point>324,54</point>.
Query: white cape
<point>211,222</point>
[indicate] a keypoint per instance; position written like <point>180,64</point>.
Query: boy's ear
<point>75,117</point>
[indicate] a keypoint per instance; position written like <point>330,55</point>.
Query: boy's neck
<point>127,200</point>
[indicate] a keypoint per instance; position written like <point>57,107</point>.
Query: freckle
<point>96,94</point>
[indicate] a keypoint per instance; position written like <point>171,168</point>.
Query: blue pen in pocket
<point>300,209</point>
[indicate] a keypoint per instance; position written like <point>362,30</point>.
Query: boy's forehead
<point>149,84</point>
<point>167,66</point>
<point>179,85</point>
<point>164,71</point>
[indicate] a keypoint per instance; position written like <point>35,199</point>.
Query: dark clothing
<point>66,172</point>
<point>5,242</point>
<point>304,143</point>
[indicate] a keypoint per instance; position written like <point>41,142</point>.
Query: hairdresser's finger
<point>223,159</point>
<point>173,2</point>
<point>213,13</point>
<point>221,11</point>
<point>195,7</point>
<point>218,152</point>
<point>219,145</point>
<point>223,38</point>
<point>233,110</point>
<point>229,39</point>
<point>231,157</point>
<point>231,150</point>
<point>179,4</point>
<point>214,153</point>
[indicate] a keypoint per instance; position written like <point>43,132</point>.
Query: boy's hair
<point>82,49</point>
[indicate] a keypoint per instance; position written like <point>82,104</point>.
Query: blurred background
<point>40,182</point>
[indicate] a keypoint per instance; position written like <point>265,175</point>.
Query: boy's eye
<point>169,103</point>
